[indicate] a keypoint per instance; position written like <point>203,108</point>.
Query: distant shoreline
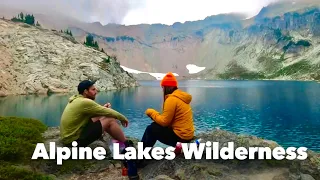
<point>181,80</point>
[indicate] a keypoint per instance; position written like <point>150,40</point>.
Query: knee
<point>106,122</point>
<point>94,119</point>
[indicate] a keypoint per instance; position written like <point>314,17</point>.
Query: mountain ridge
<point>215,42</point>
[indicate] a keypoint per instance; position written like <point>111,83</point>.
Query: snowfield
<point>193,69</point>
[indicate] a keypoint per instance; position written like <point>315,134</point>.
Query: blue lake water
<point>283,111</point>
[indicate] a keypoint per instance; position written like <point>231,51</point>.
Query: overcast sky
<point>140,11</point>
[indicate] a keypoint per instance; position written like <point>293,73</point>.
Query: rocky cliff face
<point>283,47</point>
<point>35,60</point>
<point>282,42</point>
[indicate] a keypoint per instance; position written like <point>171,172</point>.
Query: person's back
<point>73,119</point>
<point>175,122</point>
<point>182,123</point>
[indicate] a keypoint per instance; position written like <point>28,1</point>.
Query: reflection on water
<point>287,112</point>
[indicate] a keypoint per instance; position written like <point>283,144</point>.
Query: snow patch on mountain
<point>158,76</point>
<point>194,69</point>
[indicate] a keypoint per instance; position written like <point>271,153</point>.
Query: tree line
<point>30,19</point>
<point>67,32</point>
<point>92,43</point>
<point>25,18</point>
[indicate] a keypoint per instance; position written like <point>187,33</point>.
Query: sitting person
<point>85,121</point>
<point>175,123</point>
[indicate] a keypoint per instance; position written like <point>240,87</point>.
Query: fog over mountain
<point>137,12</point>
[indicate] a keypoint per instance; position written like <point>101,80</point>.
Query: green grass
<point>18,139</point>
<point>236,71</point>
<point>299,67</point>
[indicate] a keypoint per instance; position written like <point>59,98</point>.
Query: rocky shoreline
<point>181,168</point>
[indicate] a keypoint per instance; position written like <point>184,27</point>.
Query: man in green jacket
<point>84,120</point>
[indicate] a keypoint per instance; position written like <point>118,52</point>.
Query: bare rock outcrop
<point>39,61</point>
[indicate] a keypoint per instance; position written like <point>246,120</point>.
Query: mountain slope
<point>229,46</point>
<point>160,48</point>
<point>35,60</point>
<point>284,47</point>
<point>264,47</point>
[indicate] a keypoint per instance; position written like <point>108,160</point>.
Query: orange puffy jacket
<point>177,114</point>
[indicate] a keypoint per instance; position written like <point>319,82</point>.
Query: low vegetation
<point>236,71</point>
<point>299,67</point>
<point>18,139</point>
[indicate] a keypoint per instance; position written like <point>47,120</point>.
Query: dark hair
<point>85,85</point>
<point>169,90</point>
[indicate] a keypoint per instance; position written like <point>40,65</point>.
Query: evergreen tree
<point>21,16</point>
<point>96,45</point>
<point>89,40</point>
<point>29,19</point>
<point>102,50</point>
<point>38,24</point>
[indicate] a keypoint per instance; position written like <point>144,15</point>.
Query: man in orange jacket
<point>175,123</point>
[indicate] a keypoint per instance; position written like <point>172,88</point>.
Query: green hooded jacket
<point>77,114</point>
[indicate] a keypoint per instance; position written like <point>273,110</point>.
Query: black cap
<point>83,85</point>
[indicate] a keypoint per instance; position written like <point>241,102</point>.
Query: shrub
<point>106,60</point>
<point>18,139</point>
<point>8,171</point>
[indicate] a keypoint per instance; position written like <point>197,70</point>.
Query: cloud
<point>105,11</point>
<point>139,11</point>
<point>171,11</point>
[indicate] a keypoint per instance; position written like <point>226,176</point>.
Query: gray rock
<point>45,62</point>
<point>306,177</point>
<point>162,177</point>
<point>294,176</point>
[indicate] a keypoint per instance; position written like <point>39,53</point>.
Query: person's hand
<point>149,112</point>
<point>108,105</point>
<point>125,123</point>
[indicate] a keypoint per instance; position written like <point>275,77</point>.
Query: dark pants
<point>90,133</point>
<point>165,135</point>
